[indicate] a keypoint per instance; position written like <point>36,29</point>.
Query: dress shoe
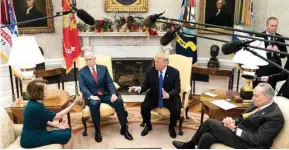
<point>182,145</point>
<point>146,130</point>
<point>98,137</point>
<point>124,131</point>
<point>172,131</point>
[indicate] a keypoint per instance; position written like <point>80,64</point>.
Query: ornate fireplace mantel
<point>123,45</point>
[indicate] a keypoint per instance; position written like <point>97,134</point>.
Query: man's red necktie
<point>95,76</point>
<point>94,73</point>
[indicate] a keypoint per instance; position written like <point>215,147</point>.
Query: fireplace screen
<point>130,72</point>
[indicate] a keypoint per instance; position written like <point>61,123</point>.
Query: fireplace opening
<point>130,73</point>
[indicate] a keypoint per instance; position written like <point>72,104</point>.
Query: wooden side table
<point>59,72</point>
<point>56,101</point>
<point>216,112</point>
<point>222,71</point>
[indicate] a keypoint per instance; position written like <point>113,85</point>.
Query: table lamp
<point>24,55</point>
<point>250,64</point>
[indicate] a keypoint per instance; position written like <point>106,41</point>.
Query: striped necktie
<point>247,115</point>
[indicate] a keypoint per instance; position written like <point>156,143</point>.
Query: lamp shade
<point>246,57</point>
<point>25,53</point>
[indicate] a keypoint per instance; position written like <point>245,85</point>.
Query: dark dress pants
<point>94,106</point>
<point>213,131</point>
<point>173,105</point>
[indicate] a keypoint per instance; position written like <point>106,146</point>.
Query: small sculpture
<point>214,62</point>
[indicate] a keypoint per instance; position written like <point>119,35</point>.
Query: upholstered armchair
<point>282,140</point>
<point>184,65</point>
<point>105,109</point>
<point>10,134</point>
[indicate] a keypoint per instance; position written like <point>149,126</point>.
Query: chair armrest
<point>17,129</point>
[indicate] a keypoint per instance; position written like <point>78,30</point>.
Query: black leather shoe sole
<point>178,144</point>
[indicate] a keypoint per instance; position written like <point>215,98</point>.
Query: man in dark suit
<point>221,17</point>
<point>163,83</point>
<point>97,87</point>
<point>271,29</point>
<point>255,128</point>
<point>284,90</point>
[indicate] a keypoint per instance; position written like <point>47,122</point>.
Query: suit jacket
<point>89,87</point>
<point>282,76</point>
<point>171,84</point>
<point>276,57</point>
<point>260,129</point>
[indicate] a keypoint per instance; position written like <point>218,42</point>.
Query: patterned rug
<point>134,116</point>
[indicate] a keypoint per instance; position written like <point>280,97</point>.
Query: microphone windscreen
<point>85,17</point>
<point>167,38</point>
<point>230,47</point>
<point>147,22</point>
<point>249,77</point>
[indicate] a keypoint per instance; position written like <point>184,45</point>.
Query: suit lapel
<point>264,111</point>
<point>166,77</point>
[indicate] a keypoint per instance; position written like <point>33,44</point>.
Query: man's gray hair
<point>89,54</point>
<point>163,56</point>
<point>268,90</point>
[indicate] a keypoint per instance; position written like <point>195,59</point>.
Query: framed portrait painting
<point>32,9</point>
<point>217,12</point>
<point>126,5</point>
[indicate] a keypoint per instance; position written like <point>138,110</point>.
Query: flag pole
<point>75,79</point>
<point>12,86</point>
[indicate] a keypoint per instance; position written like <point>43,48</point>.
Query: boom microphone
<point>234,46</point>
<point>85,17</point>
<point>169,36</point>
<point>151,20</point>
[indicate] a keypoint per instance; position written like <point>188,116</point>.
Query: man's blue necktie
<point>160,99</point>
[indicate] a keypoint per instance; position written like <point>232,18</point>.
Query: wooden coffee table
<point>215,112</point>
<point>56,101</point>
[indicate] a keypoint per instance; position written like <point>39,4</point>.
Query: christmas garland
<point>123,24</point>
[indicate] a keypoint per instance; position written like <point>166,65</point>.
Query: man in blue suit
<point>97,87</point>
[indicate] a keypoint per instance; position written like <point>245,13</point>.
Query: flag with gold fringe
<point>8,17</point>
<point>243,19</point>
<point>186,43</point>
<point>71,47</point>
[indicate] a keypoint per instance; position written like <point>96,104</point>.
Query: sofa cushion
<point>16,145</point>
<point>7,135</point>
<point>282,140</point>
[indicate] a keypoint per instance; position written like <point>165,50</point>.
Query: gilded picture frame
<point>27,10</point>
<point>209,11</point>
<point>126,5</point>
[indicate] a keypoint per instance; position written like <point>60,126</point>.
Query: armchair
<point>10,134</point>
<point>184,68</point>
<point>105,109</point>
<point>281,141</point>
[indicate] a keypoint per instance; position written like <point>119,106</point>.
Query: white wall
<point>51,42</point>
